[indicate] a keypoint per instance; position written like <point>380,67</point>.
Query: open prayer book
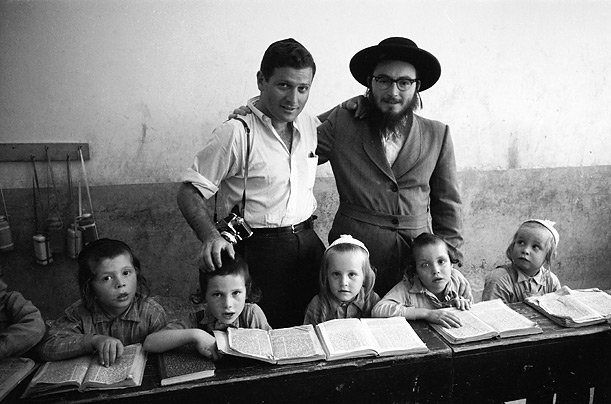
<point>85,373</point>
<point>279,346</point>
<point>331,340</point>
<point>488,319</point>
<point>574,308</point>
<point>353,337</point>
<point>12,372</point>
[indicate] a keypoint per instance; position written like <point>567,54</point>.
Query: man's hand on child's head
<point>461,303</point>
<point>443,318</point>
<point>109,349</point>
<point>209,256</point>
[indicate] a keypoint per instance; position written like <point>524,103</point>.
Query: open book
<point>353,337</point>
<point>574,308</point>
<point>283,345</point>
<point>12,372</point>
<point>84,373</point>
<point>184,364</point>
<point>488,319</point>
<point>333,339</point>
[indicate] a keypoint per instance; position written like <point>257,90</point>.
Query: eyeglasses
<point>403,83</point>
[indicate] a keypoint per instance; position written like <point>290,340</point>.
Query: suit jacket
<point>422,183</point>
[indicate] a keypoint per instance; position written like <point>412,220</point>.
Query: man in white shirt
<point>284,252</point>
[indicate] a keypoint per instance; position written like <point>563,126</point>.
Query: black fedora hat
<point>396,48</point>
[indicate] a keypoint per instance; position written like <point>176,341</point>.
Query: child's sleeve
<point>313,314</point>
<point>498,285</point>
<point>395,303</point>
<point>255,318</point>
<point>67,337</point>
<point>26,329</point>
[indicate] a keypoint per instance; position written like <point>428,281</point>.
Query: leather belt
<point>294,228</point>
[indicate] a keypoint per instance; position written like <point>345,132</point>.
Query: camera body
<point>233,228</point>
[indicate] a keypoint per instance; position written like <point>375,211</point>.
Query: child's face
<point>433,267</point>
<point>115,284</point>
<point>345,274</point>
<point>226,296</point>
<point>528,252</point>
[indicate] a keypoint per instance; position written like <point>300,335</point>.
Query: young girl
<point>345,283</point>
<point>114,309</point>
<point>431,283</point>
<point>227,292</point>
<point>529,274</point>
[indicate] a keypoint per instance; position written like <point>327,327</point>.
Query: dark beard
<point>385,123</point>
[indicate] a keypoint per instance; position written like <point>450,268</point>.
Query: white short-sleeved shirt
<point>280,183</point>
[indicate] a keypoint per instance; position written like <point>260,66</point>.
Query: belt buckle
<point>293,229</point>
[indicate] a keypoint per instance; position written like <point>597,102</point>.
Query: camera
<point>234,228</point>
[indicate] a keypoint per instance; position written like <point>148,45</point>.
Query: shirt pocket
<point>312,165</point>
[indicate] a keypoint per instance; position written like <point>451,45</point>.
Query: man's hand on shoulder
<point>209,256</point>
<point>241,111</point>
<point>359,104</point>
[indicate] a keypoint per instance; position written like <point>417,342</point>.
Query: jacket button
<point>394,188</point>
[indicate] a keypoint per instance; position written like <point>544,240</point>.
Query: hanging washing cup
<point>57,237</point>
<point>6,235</point>
<point>42,249</point>
<point>88,229</point>
<point>75,241</point>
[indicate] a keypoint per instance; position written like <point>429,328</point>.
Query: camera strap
<point>247,129</point>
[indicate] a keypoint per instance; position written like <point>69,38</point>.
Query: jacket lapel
<point>410,152</point>
<point>372,144</point>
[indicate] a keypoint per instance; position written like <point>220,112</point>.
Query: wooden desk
<point>513,368</point>
<point>421,378</point>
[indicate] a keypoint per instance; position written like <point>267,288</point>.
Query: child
<point>114,309</point>
<point>531,251</point>
<point>21,325</point>
<point>346,283</point>
<point>431,283</point>
<point>227,292</point>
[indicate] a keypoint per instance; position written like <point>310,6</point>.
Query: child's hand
<point>444,318</point>
<point>461,303</point>
<point>206,345</point>
<point>109,349</point>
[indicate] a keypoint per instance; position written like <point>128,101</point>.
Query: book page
<point>13,371</point>
<point>565,306</point>
<point>472,327</point>
<point>501,317</point>
<point>295,342</point>
<point>346,335</point>
<point>123,368</point>
<point>71,370</point>
<point>596,299</point>
<point>250,341</point>
<point>394,334</point>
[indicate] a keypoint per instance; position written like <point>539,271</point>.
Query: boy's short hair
<point>286,53</point>
<point>550,246</point>
<point>91,256</point>
<point>231,266</point>
<point>424,240</point>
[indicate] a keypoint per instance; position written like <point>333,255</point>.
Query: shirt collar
<point>98,315</point>
<point>358,301</point>
<point>264,118</point>
<point>449,293</point>
<point>538,278</point>
<point>212,323</point>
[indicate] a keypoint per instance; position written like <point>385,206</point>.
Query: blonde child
<point>229,297</point>
<point>430,283</point>
<point>346,283</point>
<point>529,274</point>
<point>21,325</point>
<point>114,309</point>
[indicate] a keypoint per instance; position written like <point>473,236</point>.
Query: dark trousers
<point>285,268</point>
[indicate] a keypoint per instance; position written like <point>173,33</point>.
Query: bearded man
<point>395,171</point>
